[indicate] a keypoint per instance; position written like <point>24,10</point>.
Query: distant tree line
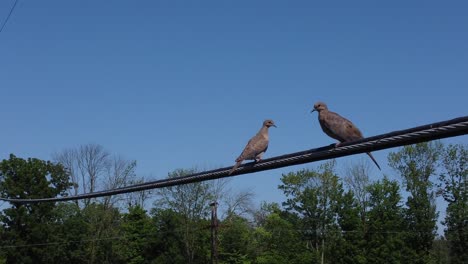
<point>325,218</point>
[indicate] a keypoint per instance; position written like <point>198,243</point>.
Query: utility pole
<point>214,233</point>
<point>323,249</point>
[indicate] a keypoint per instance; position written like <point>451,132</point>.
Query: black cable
<point>439,130</point>
<point>9,15</point>
<point>274,231</point>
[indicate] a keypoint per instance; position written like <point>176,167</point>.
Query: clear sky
<point>182,84</point>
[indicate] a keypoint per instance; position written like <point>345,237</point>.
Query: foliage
<point>385,223</point>
<point>454,182</point>
<point>137,232</point>
<point>279,241</point>
<point>29,224</point>
<point>191,202</point>
<point>235,234</point>
<point>324,218</point>
<point>416,164</point>
<point>314,195</point>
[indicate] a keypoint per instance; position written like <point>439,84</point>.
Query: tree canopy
<point>325,217</point>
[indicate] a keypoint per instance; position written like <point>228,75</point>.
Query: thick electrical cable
<point>434,131</point>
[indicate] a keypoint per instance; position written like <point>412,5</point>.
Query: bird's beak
<point>313,110</point>
<point>275,126</point>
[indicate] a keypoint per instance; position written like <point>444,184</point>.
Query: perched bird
<point>338,127</point>
<point>256,146</point>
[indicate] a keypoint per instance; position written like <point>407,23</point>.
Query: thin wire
<point>86,240</point>
<point>439,130</point>
<point>9,15</point>
<point>123,237</point>
<point>133,236</point>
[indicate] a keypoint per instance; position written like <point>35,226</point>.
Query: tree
<point>168,246</point>
<point>85,165</point>
<point>385,223</point>
<point>232,202</point>
<point>68,159</point>
<point>71,231</point>
<point>28,224</point>
<point>416,164</point>
<point>138,198</point>
<point>92,161</point>
<point>119,173</point>
<point>440,251</point>
<point>137,232</point>
<point>314,197</point>
<point>235,240</point>
<point>238,203</point>
<point>279,240</point>
<point>91,166</point>
<point>357,180</point>
<point>101,223</point>
<point>351,246</point>
<point>191,202</point>
<point>455,191</point>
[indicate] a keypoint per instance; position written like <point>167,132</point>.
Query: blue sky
<point>181,84</point>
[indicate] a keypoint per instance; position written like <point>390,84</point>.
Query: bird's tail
<point>372,157</point>
<point>238,162</point>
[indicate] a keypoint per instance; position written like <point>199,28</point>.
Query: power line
<point>9,15</point>
<point>439,130</point>
<point>276,231</point>
<point>121,237</point>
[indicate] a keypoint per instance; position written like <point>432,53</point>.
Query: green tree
<point>416,164</point>
<point>235,240</point>
<point>28,224</point>
<point>440,251</point>
<point>385,222</point>
<point>168,246</point>
<point>351,245</point>
<point>353,218</point>
<point>136,232</point>
<point>191,202</point>
<point>357,180</point>
<point>314,195</point>
<point>102,223</point>
<point>279,239</point>
<point>455,191</point>
<point>71,231</point>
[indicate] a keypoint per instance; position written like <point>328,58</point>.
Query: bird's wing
<point>340,128</point>
<point>255,146</point>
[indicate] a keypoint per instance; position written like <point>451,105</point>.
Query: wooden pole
<point>214,233</point>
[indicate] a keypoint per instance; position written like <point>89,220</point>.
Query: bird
<point>256,146</point>
<point>338,127</point>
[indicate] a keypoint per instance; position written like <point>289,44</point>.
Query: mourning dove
<point>256,146</point>
<point>338,127</point>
